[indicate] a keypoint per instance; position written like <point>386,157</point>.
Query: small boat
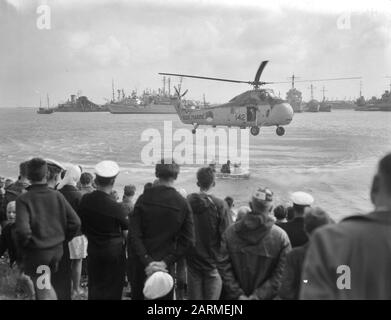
<point>239,175</point>
<point>44,110</point>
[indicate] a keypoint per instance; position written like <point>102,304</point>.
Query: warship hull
<point>147,109</point>
<point>374,107</point>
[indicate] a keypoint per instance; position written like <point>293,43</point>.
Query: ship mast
<point>292,78</point>
<point>312,91</point>
<point>164,86</point>
<point>112,88</point>
<point>47,96</point>
<point>169,87</point>
<point>323,91</point>
<point>390,82</point>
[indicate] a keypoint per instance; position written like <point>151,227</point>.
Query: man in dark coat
<point>254,252</point>
<point>351,260</point>
<point>291,280</point>
<point>161,229</point>
<point>295,227</point>
<point>104,222</point>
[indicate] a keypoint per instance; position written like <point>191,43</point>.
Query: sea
<point>332,155</point>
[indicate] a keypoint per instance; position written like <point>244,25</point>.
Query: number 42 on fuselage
<point>254,108</point>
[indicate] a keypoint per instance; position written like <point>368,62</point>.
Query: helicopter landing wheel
<point>254,131</point>
<point>280,131</point>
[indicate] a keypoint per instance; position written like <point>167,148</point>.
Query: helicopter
<point>253,108</point>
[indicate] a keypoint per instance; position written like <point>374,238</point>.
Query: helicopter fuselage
<point>242,111</point>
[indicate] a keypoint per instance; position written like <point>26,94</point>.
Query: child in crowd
<point>8,243</point>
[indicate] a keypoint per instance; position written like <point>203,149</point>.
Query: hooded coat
<point>253,257</point>
<point>210,216</point>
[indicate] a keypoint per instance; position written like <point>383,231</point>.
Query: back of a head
<point>262,201</point>
<point>315,218</point>
<point>71,177</point>
<point>23,169</point>
<point>167,170</point>
<point>385,171</point>
<point>86,178</point>
<point>280,212</point>
<point>37,170</point>
<point>299,209</point>
<point>242,211</point>
<point>148,185</point>
<point>290,213</point>
<point>205,177</point>
<point>230,201</point>
<point>129,190</point>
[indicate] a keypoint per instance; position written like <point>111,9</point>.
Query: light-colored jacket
<point>350,260</point>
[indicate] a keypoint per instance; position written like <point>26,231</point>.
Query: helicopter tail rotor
<point>178,92</point>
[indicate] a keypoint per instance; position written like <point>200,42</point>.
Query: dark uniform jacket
<point>161,227</point>
<point>253,258</point>
<point>295,231</point>
<point>103,220</point>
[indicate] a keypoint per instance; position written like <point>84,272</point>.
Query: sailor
<point>104,222</point>
<point>295,227</point>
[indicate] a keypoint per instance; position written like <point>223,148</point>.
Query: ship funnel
<point>73,98</point>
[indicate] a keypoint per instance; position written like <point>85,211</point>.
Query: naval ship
<point>160,103</point>
<point>150,102</point>
<point>79,104</point>
<point>294,98</point>
<point>374,104</point>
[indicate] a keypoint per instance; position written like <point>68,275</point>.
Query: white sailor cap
<point>56,164</point>
<point>158,285</point>
<point>302,198</point>
<point>107,169</point>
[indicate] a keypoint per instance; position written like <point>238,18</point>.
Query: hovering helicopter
<point>254,108</point>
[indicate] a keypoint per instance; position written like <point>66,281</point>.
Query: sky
<point>91,42</point>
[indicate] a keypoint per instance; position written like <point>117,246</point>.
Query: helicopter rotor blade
<point>206,78</point>
<point>330,79</point>
<point>260,70</point>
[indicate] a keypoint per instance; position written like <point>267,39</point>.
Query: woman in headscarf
<point>76,250</point>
